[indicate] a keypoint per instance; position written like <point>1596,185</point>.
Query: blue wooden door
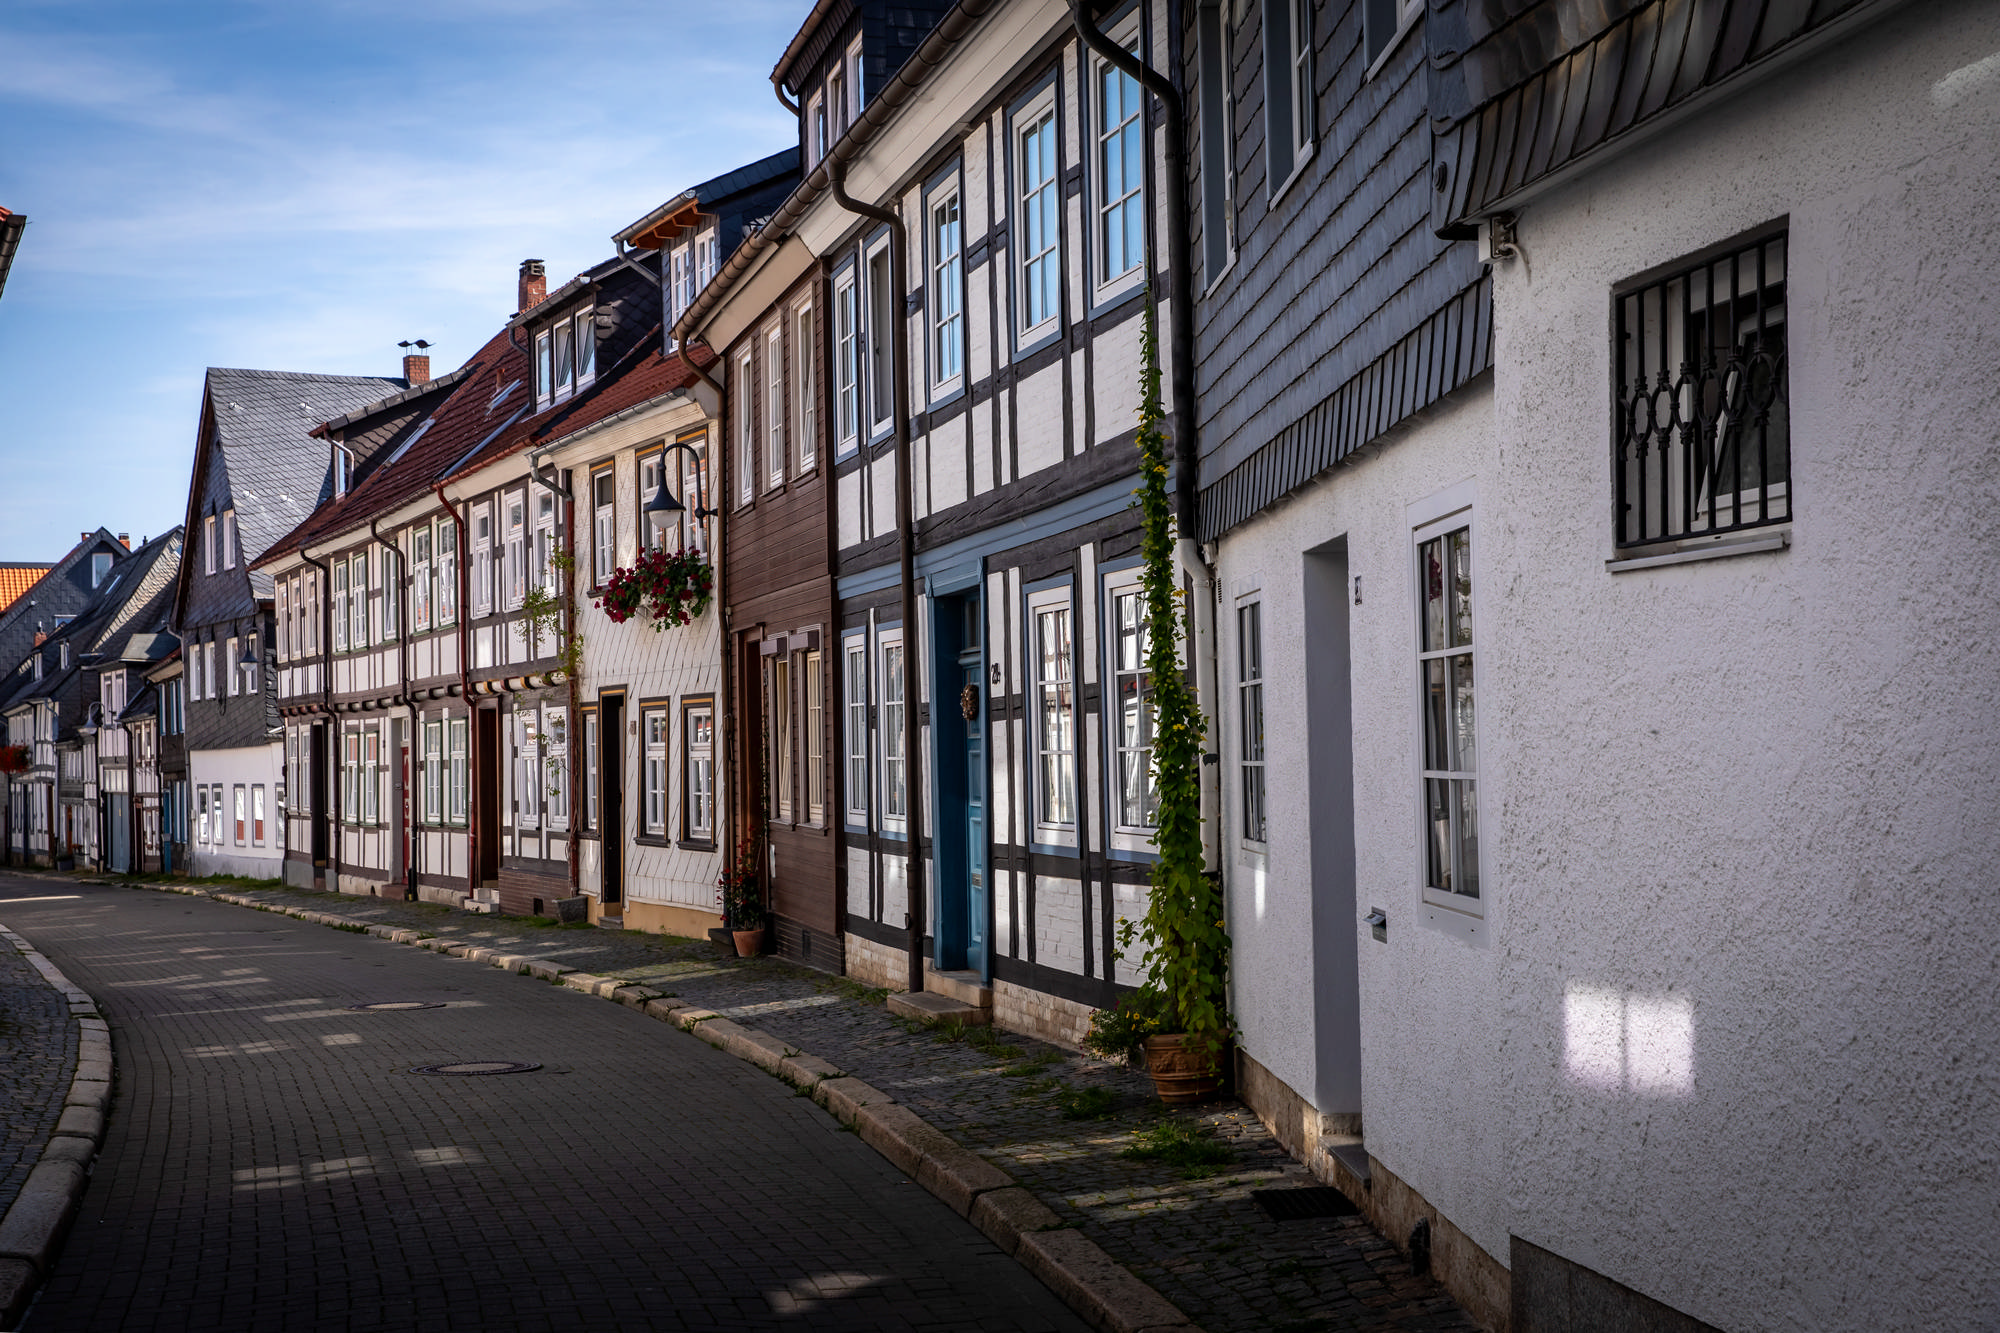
<point>975,825</point>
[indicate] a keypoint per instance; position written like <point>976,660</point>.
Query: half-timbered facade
<point>1017,166</point>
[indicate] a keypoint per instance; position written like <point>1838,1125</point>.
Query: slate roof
<point>737,180</point>
<point>136,599</point>
<point>278,473</point>
<point>16,579</point>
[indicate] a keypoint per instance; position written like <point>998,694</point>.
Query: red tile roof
<point>17,579</point>
<point>476,426</point>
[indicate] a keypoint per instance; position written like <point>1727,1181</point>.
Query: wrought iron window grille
<point>1701,425</point>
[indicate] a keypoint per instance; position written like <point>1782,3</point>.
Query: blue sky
<point>301,184</point>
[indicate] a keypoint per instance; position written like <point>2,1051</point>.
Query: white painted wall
<point>1738,812</point>
<point>248,765</point>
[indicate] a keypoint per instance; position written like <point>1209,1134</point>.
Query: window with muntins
<point>883,298</point>
<point>855,730</point>
<point>1138,803</point>
<point>528,779</point>
<point>774,407</point>
<point>357,603</point>
<point>516,552</point>
<point>846,361</point>
<point>420,584</point>
<point>590,774</point>
<point>228,540</point>
<point>1121,168</point>
<point>1039,236</point>
<point>947,294</point>
<point>698,773</point>
<point>653,771</point>
<point>1445,686</point>
<point>392,562</point>
<point>814,690</point>
<point>457,771</point>
<point>604,525</point>
<point>895,772</point>
<point>1250,717</point>
<point>482,559</point>
<point>805,357</point>
<point>1218,138</point>
<point>779,678</point>
<point>746,433</point>
<point>1054,714</point>
<point>446,566</point>
<point>1702,426</point>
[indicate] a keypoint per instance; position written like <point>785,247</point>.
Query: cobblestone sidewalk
<point>37,1058</point>
<point>1059,1123</point>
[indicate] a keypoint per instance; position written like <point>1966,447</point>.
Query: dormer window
<point>100,565</point>
<point>565,357</point>
<point>343,470</point>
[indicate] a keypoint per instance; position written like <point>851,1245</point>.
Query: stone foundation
<point>1475,1279</point>
<point>1038,1014</point>
<point>659,918</point>
<point>874,964</point>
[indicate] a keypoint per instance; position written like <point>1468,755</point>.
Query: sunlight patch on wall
<point>1620,1041</point>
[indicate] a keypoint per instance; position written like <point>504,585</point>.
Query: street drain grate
<point>1296,1205</point>
<point>468,1068</point>
<point>380,1006</point>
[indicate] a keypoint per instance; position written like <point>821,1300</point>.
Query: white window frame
<point>1119,584</point>
<point>1129,132</point>
<point>805,361</point>
<point>208,544</point>
<point>1253,809</point>
<point>430,759</point>
<point>588,720</point>
<point>232,677</point>
<point>457,770</point>
<point>653,744</point>
<point>1437,517</point>
<point>357,600</point>
<point>847,360</point>
<point>253,675</point>
<point>1288,92</point>
<point>555,775</point>
<point>544,368</point>
<point>514,509</point>
<point>1215,42</point>
<point>698,770</point>
<point>391,562</point>
<point>528,789</point>
<point>944,304</point>
<point>776,408</point>
<point>444,566</point>
<point>371,776</point>
<point>812,683</point>
<point>543,550</point>
<point>818,133</point>
<point>284,619</point>
<point>420,577</point>
<point>650,469</point>
<point>890,760</point>
<point>884,299</point>
<point>855,727</point>
<point>746,430</point>
<point>1039,117</point>
<point>1384,24</point>
<point>784,752</point>
<point>1050,830</point>
<point>229,538</point>
<point>482,559</point>
<point>340,580</point>
<point>603,524</point>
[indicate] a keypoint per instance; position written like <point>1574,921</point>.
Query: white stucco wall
<point>1732,1041</point>
<point>249,766</point>
<point>1429,1031</point>
<point>1759,791</point>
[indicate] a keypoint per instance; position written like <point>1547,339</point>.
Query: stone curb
<point>1066,1261</point>
<point>31,1233</point>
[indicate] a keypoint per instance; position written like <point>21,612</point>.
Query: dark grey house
<point>56,598</point>
<point>258,473</point>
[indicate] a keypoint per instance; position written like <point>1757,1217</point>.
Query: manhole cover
<point>398,1004</point>
<point>1297,1204</point>
<point>468,1067</point>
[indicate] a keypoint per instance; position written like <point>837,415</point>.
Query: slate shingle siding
<point>1332,279</point>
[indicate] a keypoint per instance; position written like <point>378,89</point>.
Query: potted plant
<point>1179,1016</point>
<point>743,911</point>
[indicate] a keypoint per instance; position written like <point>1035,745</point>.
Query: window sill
<point>651,840</point>
<point>1410,20</point>
<point>685,844</point>
<point>1305,159</point>
<point>1703,549</point>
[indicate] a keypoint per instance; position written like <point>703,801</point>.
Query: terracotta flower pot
<point>1181,1076</point>
<point>749,943</point>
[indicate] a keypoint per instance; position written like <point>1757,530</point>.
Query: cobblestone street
<point>37,1052</point>
<point>1057,1122</point>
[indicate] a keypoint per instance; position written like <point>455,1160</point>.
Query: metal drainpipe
<point>572,737</point>
<point>906,539</point>
<point>1180,344</point>
<point>409,704</point>
<point>326,706</point>
<point>719,457</point>
<point>465,690</point>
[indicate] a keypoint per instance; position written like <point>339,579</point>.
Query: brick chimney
<point>41,636</point>
<point>417,368</point>
<point>534,284</point>
<point>125,540</point>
